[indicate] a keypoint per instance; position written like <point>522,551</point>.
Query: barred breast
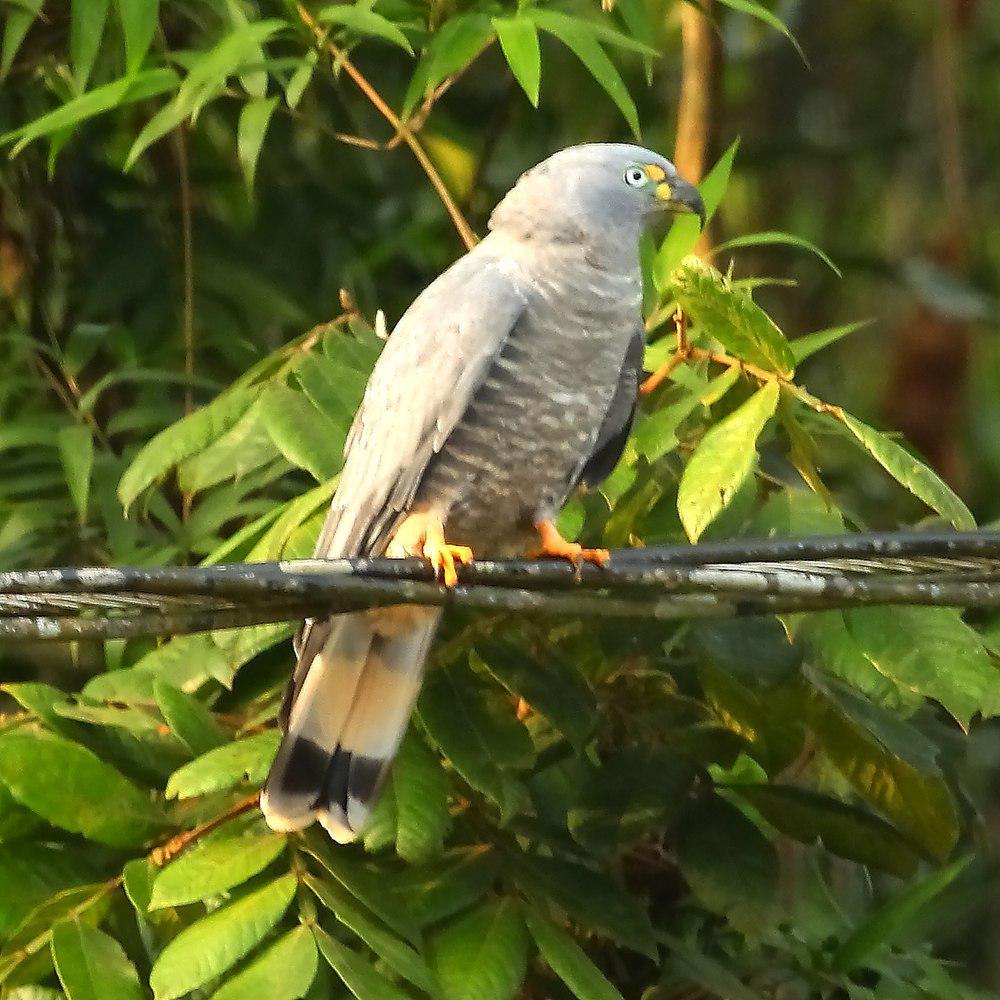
<point>518,449</point>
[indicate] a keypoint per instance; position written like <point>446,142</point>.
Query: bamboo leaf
<point>774,237</point>
<point>365,21</point>
<point>810,343</point>
<point>519,42</point>
<point>91,965</point>
<point>86,28</point>
<point>254,120</point>
<point>18,20</point>
<point>213,868</point>
<point>723,460</point>
<point>76,452</point>
<point>210,946</point>
<point>283,971</point>
<point>138,19</point>
<point>769,18</point>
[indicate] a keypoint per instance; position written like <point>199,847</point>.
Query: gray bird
<point>509,381</point>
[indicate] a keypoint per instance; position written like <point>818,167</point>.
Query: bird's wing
<point>438,355</point>
<point>617,422</point>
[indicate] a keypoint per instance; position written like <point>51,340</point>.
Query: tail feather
<point>346,719</point>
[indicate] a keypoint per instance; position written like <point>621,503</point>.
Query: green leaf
<point>685,229</point>
<point>86,27</point>
<point>568,960</point>
<point>213,868</point>
<point>127,90</point>
<point>893,919</point>
<point>550,684</point>
<point>210,946</point>
<point>19,17</point>
<point>304,435</point>
<point>419,790</point>
<point>723,460</point>
<point>192,723</point>
<point>403,958</point>
<point>188,436</point>
<point>588,897</point>
<point>358,974</point>
<point>774,237</point>
<point>933,652</point>
<point>138,876</point>
<point>462,877</point>
<point>769,18</point>
<point>91,965</point>
<point>477,736</point>
<point>810,343</point>
<point>366,22</point>
<point>910,472</point>
<point>519,42</point>
<point>731,316</point>
<point>483,954</point>
<point>844,830</point>
<point>72,788</point>
<point>579,37</point>
<point>283,971</point>
<point>31,872</point>
<point>254,119</point>
<point>731,867</point>
<point>246,760</point>
<point>76,452</point>
<point>139,19</point>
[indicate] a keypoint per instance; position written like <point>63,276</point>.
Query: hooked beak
<point>682,198</point>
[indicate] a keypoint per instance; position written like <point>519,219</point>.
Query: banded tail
<point>345,713</point>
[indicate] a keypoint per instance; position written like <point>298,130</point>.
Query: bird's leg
<point>422,534</point>
<point>553,544</point>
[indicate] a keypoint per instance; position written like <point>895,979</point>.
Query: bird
<point>511,380</point>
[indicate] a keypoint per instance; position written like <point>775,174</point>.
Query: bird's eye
<point>634,177</point>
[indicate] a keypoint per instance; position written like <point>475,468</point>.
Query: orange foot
<point>422,534</point>
<point>553,544</point>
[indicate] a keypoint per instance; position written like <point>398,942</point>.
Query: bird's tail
<point>349,707</point>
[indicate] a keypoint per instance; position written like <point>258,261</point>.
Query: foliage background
<point>190,186</point>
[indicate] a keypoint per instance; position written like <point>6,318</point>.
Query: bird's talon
<point>555,546</point>
<point>442,558</point>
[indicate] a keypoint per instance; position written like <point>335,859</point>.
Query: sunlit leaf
<point>775,238</point>
<point>365,21</point>
<point>283,971</point>
<point>86,27</point>
<point>76,452</point>
<point>245,760</point>
<point>254,119</point>
<point>91,965</point>
<point>519,42</point>
<point>138,19</point>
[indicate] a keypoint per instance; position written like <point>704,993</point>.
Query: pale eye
<point>634,177</point>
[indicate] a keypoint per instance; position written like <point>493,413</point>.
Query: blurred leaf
<point>358,974</point>
<point>769,18</point>
<point>519,42</point>
<point>730,865</point>
<point>461,877</point>
<point>213,944</point>
<point>213,868</point>
<point>139,20</point>
<point>579,37</point>
<point>482,954</point>
<point>403,958</point>
<point>91,965</point>
<point>188,436</point>
<point>192,723</point>
<point>731,316</point>
<point>910,472</point>
<point>933,652</point>
<point>419,790</point>
<point>844,830</point>
<point>887,924</point>
<point>588,897</point>
<point>31,873</point>
<point>246,760</point>
<point>19,18</point>
<point>86,27</point>
<point>568,960</point>
<point>73,789</point>
<point>76,452</point>
<point>366,22</point>
<point>723,460</point>
<point>775,238</point>
<point>254,120</point>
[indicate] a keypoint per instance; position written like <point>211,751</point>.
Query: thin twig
<point>399,126</point>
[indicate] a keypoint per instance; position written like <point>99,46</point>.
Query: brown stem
<point>165,853</point>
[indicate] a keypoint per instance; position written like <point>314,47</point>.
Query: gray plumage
<point>510,379</point>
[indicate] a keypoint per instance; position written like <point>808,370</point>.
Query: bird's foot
<point>555,546</point>
<point>441,555</point>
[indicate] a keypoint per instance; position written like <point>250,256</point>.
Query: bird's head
<point>609,188</point>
